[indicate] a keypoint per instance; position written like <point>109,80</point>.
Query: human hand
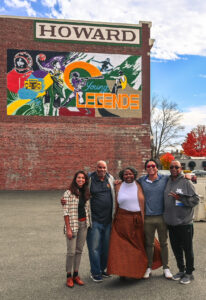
<point>188,176</point>
<point>63,201</point>
<point>117,181</point>
<point>174,195</point>
<point>69,233</point>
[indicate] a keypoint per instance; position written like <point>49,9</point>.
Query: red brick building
<point>72,93</point>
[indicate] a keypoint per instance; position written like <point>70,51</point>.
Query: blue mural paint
<point>46,79</point>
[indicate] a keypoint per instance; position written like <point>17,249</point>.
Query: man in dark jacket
<point>102,211</point>
<point>179,199</point>
<point>102,203</point>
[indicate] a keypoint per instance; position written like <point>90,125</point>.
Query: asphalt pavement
<point>33,249</point>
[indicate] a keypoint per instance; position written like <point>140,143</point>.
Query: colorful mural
<point>73,84</point>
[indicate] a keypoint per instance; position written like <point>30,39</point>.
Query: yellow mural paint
<point>47,81</point>
<point>124,82</point>
<point>41,94</point>
<point>11,108</point>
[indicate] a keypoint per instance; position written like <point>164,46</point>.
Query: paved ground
<point>32,258</point>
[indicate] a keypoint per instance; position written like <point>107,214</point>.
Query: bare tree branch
<point>165,125</point>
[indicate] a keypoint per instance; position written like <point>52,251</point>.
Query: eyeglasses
<point>151,166</point>
<point>176,167</point>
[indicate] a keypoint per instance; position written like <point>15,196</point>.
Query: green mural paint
<point>46,83</point>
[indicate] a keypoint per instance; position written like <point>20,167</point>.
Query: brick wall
<point>42,153</point>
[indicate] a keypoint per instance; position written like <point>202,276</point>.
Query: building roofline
<point>77,21</point>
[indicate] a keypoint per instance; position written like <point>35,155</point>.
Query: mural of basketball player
<point>120,82</point>
<point>105,64</point>
<point>78,84</point>
<point>23,64</point>
<point>55,95</point>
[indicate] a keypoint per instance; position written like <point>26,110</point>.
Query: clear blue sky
<point>182,80</point>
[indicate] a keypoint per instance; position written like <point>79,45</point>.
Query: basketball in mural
<point>73,84</point>
<point>42,57</point>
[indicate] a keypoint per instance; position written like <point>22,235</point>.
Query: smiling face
<point>128,176</point>
<point>151,168</point>
<point>80,180</point>
<point>175,168</point>
<point>101,169</point>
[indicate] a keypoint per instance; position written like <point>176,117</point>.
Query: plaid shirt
<point>71,209</point>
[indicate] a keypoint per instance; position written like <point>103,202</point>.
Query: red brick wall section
<point>42,153</point>
<point>39,157</point>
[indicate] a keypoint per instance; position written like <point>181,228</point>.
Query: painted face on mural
<point>57,65</point>
<point>73,84</point>
<point>23,62</point>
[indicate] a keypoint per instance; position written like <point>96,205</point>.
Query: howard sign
<point>88,33</point>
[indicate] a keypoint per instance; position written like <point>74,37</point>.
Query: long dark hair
<point>74,188</point>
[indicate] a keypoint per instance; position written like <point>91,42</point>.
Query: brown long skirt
<point>127,255</point>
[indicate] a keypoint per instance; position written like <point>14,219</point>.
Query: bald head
<point>101,169</point>
<point>175,168</point>
<point>101,161</point>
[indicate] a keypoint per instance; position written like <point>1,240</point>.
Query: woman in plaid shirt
<point>77,220</point>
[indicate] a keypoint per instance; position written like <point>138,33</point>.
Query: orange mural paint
<point>110,101</point>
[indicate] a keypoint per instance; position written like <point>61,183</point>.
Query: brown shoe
<point>70,282</point>
<point>78,280</point>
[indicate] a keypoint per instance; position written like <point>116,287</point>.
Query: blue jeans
<point>98,237</point>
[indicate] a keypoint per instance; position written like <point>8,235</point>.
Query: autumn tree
<point>165,126</point>
<point>166,159</point>
<point>195,142</point>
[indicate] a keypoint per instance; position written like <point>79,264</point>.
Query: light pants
<point>151,224</point>
<point>75,248</point>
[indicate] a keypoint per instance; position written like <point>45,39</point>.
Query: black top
<point>101,200</point>
<point>81,207</point>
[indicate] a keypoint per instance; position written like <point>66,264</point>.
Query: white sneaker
<point>167,273</point>
<point>147,273</point>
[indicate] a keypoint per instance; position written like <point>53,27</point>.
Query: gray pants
<point>75,247</point>
<point>151,224</point>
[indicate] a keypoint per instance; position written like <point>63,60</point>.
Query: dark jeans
<point>181,241</point>
<point>98,237</point>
